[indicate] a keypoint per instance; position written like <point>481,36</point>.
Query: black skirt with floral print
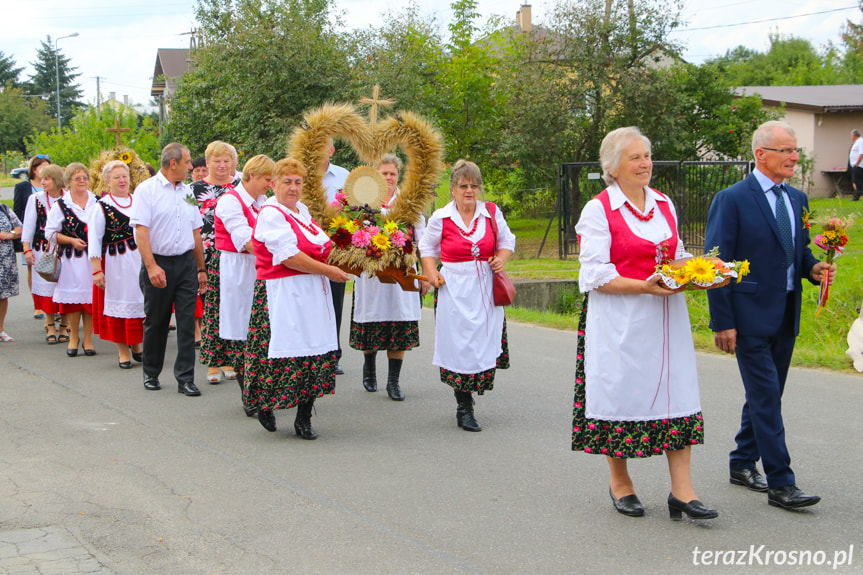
<point>281,383</point>
<point>383,335</point>
<point>626,439</point>
<point>215,351</point>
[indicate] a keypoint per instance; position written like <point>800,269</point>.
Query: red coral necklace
<point>635,213</point>
<point>470,232</point>
<point>311,229</point>
<point>119,205</point>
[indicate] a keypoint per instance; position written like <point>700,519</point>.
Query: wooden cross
<point>116,130</point>
<point>374,102</point>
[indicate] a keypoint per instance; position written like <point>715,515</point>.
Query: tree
<point>852,38</point>
<point>8,72</point>
<point>20,116</point>
<point>84,137</point>
<point>261,66</point>
<point>44,80</point>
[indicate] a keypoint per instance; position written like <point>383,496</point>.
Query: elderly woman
<point>290,350</point>
<point>229,305</point>
<point>118,303</point>
<point>23,191</point>
<point>383,316</point>
<point>36,243</point>
<point>636,386</point>
<point>10,230</point>
<point>473,242</point>
<point>221,163</point>
<point>74,293</point>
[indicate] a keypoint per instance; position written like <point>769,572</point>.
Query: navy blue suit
<point>765,314</point>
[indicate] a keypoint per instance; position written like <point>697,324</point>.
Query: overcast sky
<point>118,40</point>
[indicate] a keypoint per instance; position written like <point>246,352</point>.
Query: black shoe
<point>694,509</point>
<point>89,352</point>
<point>138,356</point>
<point>464,413</point>
<point>189,389</point>
<point>303,421</point>
<point>125,364</point>
<point>749,478</point>
<point>393,389</point>
<point>790,497</point>
<point>152,384</point>
<point>267,419</point>
<point>250,411</point>
<point>628,505</point>
<point>338,370</point>
<point>370,380</point>
<point>72,352</point>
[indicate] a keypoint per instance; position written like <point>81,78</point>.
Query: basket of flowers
<point>700,272</point>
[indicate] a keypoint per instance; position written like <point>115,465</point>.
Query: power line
<point>763,21</point>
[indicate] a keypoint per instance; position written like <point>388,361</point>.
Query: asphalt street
<point>98,475</point>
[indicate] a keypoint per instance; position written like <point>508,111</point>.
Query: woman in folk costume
<point>291,345</point>
<point>118,303</point>
<point>230,303</point>
<point>74,292</point>
<point>473,240</point>
<point>384,316</point>
<point>636,385</point>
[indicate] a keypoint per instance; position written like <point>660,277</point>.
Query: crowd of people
<point>240,253</point>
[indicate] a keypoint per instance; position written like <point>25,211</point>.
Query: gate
<point>691,186</point>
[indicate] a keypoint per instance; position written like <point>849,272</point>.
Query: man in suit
<point>760,220</point>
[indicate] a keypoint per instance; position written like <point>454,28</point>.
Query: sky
<point>117,41</point>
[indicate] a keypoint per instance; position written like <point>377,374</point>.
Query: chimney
<point>126,100</point>
<point>523,18</point>
<point>112,95</point>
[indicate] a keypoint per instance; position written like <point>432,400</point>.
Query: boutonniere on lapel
<point>832,239</point>
<point>805,217</point>
<point>191,200</point>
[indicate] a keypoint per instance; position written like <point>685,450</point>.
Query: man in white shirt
<point>333,180</point>
<point>855,160</point>
<point>167,226</point>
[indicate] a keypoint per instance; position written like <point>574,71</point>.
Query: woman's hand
<point>337,274</point>
<point>496,264</point>
<point>99,280</point>
<point>653,286</point>
<point>79,244</point>
<point>6,236</point>
<point>424,288</point>
<point>435,278</point>
<point>30,257</point>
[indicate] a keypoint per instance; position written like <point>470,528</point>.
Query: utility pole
<point>57,70</point>
<point>98,93</point>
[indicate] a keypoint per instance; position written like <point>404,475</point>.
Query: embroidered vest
<point>223,237</point>
<point>40,242</point>
<point>72,227</point>
<point>264,268</point>
<point>118,232</point>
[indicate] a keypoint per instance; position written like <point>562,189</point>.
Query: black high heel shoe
<point>628,505</point>
<point>267,419</point>
<point>695,509</point>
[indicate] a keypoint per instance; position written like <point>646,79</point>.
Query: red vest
<point>223,238</point>
<point>454,247</point>
<point>635,257</point>
<point>264,268</point>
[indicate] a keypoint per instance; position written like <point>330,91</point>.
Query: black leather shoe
<point>267,419</point>
<point>628,505</point>
<point>125,364</point>
<point>250,411</point>
<point>152,384</point>
<point>338,370</point>
<point>790,497</point>
<point>189,389</point>
<point>748,478</point>
<point>695,509</point>
<point>72,352</point>
<point>89,352</point>
<point>370,380</point>
<point>139,357</point>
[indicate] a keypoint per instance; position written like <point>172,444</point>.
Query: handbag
<point>503,290</point>
<point>48,265</point>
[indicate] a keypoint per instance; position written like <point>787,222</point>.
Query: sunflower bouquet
<point>366,241</point>
<point>701,272</point>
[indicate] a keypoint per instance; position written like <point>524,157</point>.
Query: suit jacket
<point>743,226</point>
<point>23,190</point>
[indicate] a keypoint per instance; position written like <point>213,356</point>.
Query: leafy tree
<point>262,64</point>
<point>44,80</point>
<point>852,38</point>
<point>20,116</point>
<point>8,72</point>
<point>84,137</point>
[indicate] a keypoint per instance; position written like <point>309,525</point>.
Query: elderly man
<point>855,160</point>
<point>167,230</point>
<point>760,220</point>
<point>333,180</point>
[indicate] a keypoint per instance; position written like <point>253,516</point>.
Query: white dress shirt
<point>334,180</point>
<point>170,218</point>
<point>856,152</point>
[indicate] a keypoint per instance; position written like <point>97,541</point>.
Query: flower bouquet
<point>700,273</point>
<point>832,239</point>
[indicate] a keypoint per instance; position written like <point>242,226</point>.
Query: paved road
<point>99,476</point>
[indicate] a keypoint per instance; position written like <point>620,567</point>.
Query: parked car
<point>20,173</point>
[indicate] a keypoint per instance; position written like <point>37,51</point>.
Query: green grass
<point>6,182</point>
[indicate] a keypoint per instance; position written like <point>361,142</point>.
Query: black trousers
<point>857,178</point>
<point>178,296</point>
<point>338,291</point>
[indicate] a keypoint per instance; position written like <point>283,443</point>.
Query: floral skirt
<point>281,383</point>
<point>384,335</point>
<point>626,439</point>
<point>215,351</point>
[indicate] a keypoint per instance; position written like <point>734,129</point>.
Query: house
<point>822,117</point>
<point>171,64</point>
<point>117,106</point>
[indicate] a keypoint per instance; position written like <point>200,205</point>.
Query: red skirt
<point>75,307</point>
<point>199,308</point>
<point>46,304</point>
<point>117,329</point>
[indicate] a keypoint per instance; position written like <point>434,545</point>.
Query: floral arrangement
<point>702,272</point>
<point>832,239</point>
<point>364,239</point>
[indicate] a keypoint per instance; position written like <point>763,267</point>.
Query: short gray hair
<point>172,151</point>
<point>855,132</point>
<point>110,167</point>
<point>391,159</point>
<point>763,135</point>
<point>73,169</point>
<point>612,147</point>
<point>465,170</point>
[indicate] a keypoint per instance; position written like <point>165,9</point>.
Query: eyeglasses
<point>81,179</point>
<point>43,156</point>
<point>786,151</point>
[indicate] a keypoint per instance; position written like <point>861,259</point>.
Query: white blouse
<point>229,210</point>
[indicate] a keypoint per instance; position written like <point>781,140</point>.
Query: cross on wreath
<point>374,102</point>
<point>117,130</point>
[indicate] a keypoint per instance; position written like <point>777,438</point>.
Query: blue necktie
<point>784,225</point>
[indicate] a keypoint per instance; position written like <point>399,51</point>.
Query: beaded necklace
<point>113,199</point>
<point>311,229</point>
<point>635,213</point>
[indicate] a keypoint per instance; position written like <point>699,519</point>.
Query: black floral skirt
<point>383,335</point>
<point>281,383</point>
<point>215,351</point>
<point>626,439</point>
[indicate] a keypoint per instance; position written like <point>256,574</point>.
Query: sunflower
<point>742,270</point>
<point>381,241</point>
<point>352,226</point>
<point>338,222</point>
<point>700,270</point>
<point>391,226</point>
<point>126,158</point>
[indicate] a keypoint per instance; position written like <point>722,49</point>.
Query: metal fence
<point>691,186</point>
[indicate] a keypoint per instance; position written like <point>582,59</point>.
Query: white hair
<point>764,134</point>
<point>612,147</point>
